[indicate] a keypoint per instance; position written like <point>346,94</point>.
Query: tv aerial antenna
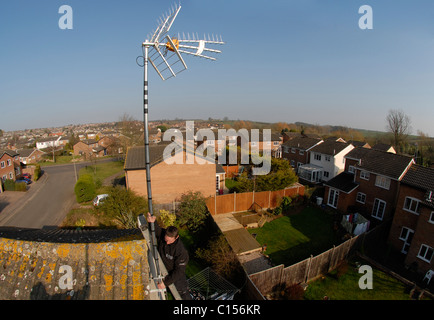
<point>164,53</point>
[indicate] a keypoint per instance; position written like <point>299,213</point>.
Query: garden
<point>294,237</point>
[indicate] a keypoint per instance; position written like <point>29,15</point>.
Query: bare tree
<point>399,124</point>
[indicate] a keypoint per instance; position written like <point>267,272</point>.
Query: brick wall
<point>170,181</point>
<point>423,230</point>
<point>8,168</point>
<point>373,192</point>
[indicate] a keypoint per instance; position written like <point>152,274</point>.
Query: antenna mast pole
<point>147,157</point>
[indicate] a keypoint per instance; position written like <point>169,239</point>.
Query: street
<point>47,201</point>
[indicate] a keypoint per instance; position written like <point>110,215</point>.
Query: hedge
<point>85,189</point>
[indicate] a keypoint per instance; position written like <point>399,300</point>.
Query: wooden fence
<point>239,202</point>
<point>304,271</point>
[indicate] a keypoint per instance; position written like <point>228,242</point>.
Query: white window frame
<point>427,249</point>
<point>292,150</point>
<point>301,152</point>
<point>375,213</point>
<point>333,198</point>
<point>409,233</point>
<point>431,217</point>
<point>11,175</point>
<point>9,162</point>
<point>2,164</point>
<point>351,169</point>
<point>361,197</point>
<point>317,156</point>
<point>365,175</point>
<point>382,182</point>
<point>328,158</point>
<point>413,202</point>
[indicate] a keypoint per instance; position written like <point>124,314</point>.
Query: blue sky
<point>284,60</point>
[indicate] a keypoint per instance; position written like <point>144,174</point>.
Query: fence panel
<point>262,199</point>
<point>243,201</point>
<point>295,274</point>
<point>268,279</point>
<point>225,203</point>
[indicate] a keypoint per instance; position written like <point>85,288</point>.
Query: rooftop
<point>380,162</point>
<point>86,265</point>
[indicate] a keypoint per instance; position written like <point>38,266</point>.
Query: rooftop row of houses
<point>375,182</point>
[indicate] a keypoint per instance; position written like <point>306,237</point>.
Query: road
<point>47,202</point>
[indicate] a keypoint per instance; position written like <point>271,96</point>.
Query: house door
<point>406,236</point>
<point>333,198</point>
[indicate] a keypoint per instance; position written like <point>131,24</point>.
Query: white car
<point>99,199</point>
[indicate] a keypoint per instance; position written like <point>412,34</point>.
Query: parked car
<point>99,199</point>
<point>26,175</point>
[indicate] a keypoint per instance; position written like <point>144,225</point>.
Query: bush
<point>9,185</point>
<point>192,210</point>
<point>37,173</point>
<point>20,186</point>
<point>167,219</point>
<point>85,188</point>
<point>124,206</point>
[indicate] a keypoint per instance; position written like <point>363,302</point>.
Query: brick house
<point>412,230</point>
<point>30,155</point>
<point>10,167</point>
<point>370,182</point>
<point>169,181</point>
<point>111,144</point>
<point>296,150</point>
<point>88,147</point>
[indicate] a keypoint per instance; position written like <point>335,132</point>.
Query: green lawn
<point>290,239</point>
<point>103,170</point>
<point>346,287</point>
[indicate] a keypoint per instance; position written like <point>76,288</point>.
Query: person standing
<point>174,256</point>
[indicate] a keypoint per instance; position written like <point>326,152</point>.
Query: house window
<point>293,163</point>
<point>379,208</point>
<point>351,169</point>
<point>11,175</point>
<point>301,152</point>
<point>333,198</point>
<point>217,183</point>
<point>425,253</point>
<point>285,149</point>
<point>406,236</point>
<point>4,177</point>
<point>327,158</point>
<point>361,197</point>
<point>292,150</point>
<point>431,217</point>
<point>275,143</point>
<point>382,182</point>
<point>326,174</point>
<point>9,162</point>
<point>317,156</point>
<point>412,205</point>
<point>364,175</point>
<point>2,164</point>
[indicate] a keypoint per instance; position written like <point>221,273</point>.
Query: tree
<point>281,176</point>
<point>220,256</point>
<point>399,124</point>
<point>192,210</point>
<point>124,206</point>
